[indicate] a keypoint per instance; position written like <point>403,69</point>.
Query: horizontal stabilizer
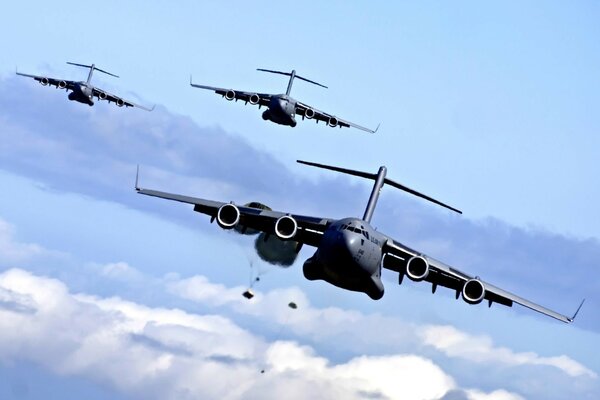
<point>386,180</point>
<point>92,67</point>
<point>290,74</point>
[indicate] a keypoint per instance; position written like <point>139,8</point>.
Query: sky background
<point>488,107</point>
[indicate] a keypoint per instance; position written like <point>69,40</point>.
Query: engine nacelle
<point>473,292</point>
<point>333,122</point>
<point>101,95</point>
<point>417,268</point>
<point>230,95</point>
<point>120,102</point>
<point>309,113</point>
<point>44,81</point>
<point>228,216</point>
<point>286,227</point>
<point>62,84</point>
<point>254,99</point>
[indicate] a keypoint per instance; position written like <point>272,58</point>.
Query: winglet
<point>578,308</point>
<point>376,129</point>
<point>191,84</point>
<point>137,177</point>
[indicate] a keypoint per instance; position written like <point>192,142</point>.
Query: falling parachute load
<point>269,247</point>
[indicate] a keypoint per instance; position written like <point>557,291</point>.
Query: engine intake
<point>230,95</point>
<point>286,227</point>
<point>102,95</point>
<point>44,81</point>
<point>473,292</point>
<point>254,99</point>
<point>120,102</point>
<point>417,268</point>
<point>62,84</point>
<point>309,113</point>
<point>228,216</point>
<point>333,122</point>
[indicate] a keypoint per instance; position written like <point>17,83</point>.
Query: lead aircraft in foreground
<point>350,252</point>
<point>83,91</point>
<point>282,108</point>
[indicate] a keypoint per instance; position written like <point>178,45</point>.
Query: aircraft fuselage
<point>82,93</point>
<point>282,110</point>
<point>349,256</point>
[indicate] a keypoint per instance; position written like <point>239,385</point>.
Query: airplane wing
<point>59,83</point>
<point>310,229</point>
<point>111,98</point>
<point>260,99</point>
<point>444,275</point>
<point>306,111</point>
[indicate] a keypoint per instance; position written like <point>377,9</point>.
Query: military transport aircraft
<point>350,252</point>
<point>84,92</point>
<point>282,108</point>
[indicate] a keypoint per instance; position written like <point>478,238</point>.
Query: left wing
<point>306,111</point>
<point>44,80</point>
<point>111,98</point>
<point>444,275</point>
<point>310,229</point>
<point>260,99</point>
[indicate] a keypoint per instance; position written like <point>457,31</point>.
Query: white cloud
<point>481,349</point>
<point>11,251</point>
<point>169,353</point>
<point>119,271</point>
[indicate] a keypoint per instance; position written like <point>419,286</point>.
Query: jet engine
<point>44,81</point>
<point>120,102</point>
<point>473,292</point>
<point>417,268</point>
<point>333,121</point>
<point>230,95</point>
<point>101,95</point>
<point>62,84</point>
<point>228,216</point>
<point>309,113</point>
<point>286,227</point>
<point>254,99</point>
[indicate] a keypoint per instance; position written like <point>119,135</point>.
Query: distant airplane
<point>350,252</point>
<point>282,108</point>
<point>84,92</point>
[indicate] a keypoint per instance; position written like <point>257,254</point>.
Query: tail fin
<point>92,67</point>
<point>385,180</point>
<point>292,75</point>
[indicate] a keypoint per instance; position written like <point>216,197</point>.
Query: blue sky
<point>489,107</point>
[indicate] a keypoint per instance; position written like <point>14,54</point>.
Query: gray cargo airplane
<point>282,108</point>
<point>350,252</point>
<point>84,92</point>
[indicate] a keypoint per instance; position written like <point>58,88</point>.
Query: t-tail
<point>292,75</point>
<point>92,69</point>
<point>380,180</point>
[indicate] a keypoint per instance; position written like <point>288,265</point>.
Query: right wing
<point>260,99</point>
<point>444,275</point>
<point>111,98</point>
<point>310,229</point>
<point>304,110</point>
<point>59,83</point>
